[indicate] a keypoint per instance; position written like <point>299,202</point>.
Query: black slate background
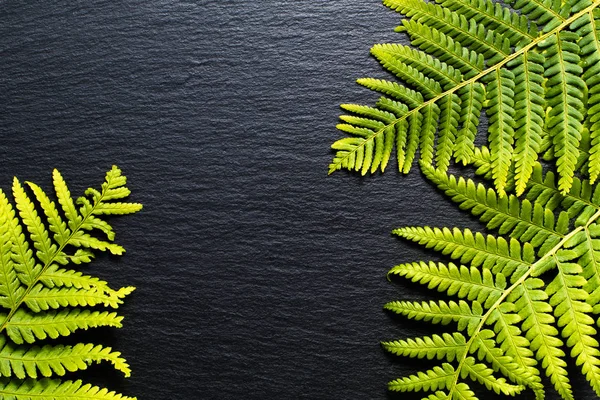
<point>258,276</point>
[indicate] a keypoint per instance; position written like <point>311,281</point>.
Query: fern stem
<point>477,77</point>
<point>48,263</point>
<point>508,291</point>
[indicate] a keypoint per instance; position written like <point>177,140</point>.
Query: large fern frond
<point>533,68</point>
<point>521,300</point>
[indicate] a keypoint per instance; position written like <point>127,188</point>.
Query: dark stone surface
<point>258,276</point>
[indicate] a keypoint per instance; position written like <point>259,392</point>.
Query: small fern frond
<point>501,19</point>
<point>27,327</point>
<point>41,298</point>
<point>570,308</point>
<point>542,12</point>
<point>439,45</point>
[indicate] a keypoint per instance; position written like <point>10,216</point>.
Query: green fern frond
<point>42,298</point>
<point>539,87</point>
<point>528,316</point>
<point>527,291</point>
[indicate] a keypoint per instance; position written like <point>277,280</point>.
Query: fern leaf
<point>55,390</point>
<point>589,260</point>
<point>10,286</point>
<point>447,346</point>
<point>56,224</point>
<point>588,29</point>
<point>431,67</point>
<point>484,375</point>
<point>529,115</point>
<point>499,18</point>
<point>401,136</point>
<point>81,238</point>
<point>500,94</point>
<point>522,220</point>
<point>489,252</point>
<point>392,89</point>
<point>509,337</point>
<point>35,281</point>
<point>518,372</point>
<point>36,228</point>
<point>439,312</point>
<point>581,202</point>
<point>568,298</point>
<point>448,129</point>
<point>468,33</point>
<point>425,85</point>
<point>436,378</point>
<point>530,303</point>
<point>412,142</point>
<point>429,124</point>
<point>60,277</point>
<point>463,392</point>
<point>64,198</point>
<point>24,263</point>
<point>28,327</point>
<point>463,282</point>
<point>371,113</point>
<point>472,98</point>
<point>47,361</point>
<point>42,298</point>
<point>565,99</point>
<point>543,12</point>
<point>436,43</point>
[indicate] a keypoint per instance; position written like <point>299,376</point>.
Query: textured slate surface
<point>258,276</point>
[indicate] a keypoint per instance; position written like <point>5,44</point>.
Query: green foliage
<point>41,298</point>
<point>521,298</point>
<point>532,68</point>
